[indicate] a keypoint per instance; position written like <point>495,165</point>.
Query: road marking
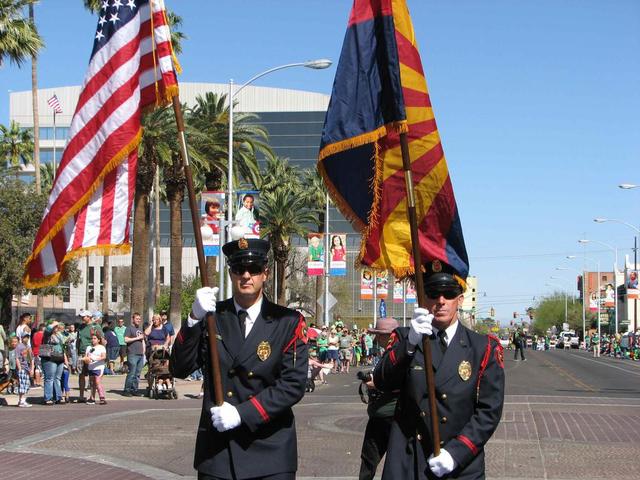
<point>605,364</point>
<point>578,383</point>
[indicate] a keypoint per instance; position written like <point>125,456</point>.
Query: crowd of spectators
<point>46,356</point>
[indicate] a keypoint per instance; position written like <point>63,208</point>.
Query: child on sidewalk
<point>95,357</point>
<point>24,368</point>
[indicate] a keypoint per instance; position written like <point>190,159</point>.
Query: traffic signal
<point>515,314</point>
<point>492,312</point>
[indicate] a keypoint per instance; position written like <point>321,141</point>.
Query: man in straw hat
<point>263,364</point>
<point>469,386</point>
<point>380,409</point>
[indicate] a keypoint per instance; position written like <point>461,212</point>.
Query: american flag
<point>132,69</point>
<point>55,104</point>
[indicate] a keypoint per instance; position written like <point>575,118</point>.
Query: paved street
<point>567,416</point>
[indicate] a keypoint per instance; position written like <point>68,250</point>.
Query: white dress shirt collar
<point>252,314</point>
<point>449,332</point>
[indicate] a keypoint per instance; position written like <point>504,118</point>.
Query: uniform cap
<point>246,250</point>
<point>439,274</point>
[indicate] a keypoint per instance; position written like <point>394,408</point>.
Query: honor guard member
<point>469,385</point>
<point>263,363</point>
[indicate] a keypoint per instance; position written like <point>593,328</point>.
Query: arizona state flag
<point>379,92</point>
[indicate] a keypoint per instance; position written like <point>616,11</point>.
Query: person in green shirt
<point>322,343</point>
<point>119,331</point>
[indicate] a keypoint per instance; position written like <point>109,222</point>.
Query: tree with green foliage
<point>16,146</point>
<point>19,38</point>
<point>20,212</point>
<point>283,212</point>
<point>549,312</point>
<point>190,284</point>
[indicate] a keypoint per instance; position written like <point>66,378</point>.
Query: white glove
<point>443,464</point>
<point>205,302</point>
<point>420,325</point>
<point>225,417</point>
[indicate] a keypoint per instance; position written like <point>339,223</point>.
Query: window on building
<point>101,281</point>
<point>114,287</point>
<point>161,275</point>
<point>65,293</point>
<point>90,285</point>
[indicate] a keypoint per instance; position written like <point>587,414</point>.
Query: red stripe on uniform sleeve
<point>260,408</point>
<point>468,443</point>
<point>180,337</point>
<point>392,357</point>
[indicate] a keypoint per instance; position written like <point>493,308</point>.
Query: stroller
<point>161,382</point>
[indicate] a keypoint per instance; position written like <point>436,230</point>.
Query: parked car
<point>568,339</point>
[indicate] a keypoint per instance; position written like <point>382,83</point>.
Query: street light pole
<point>313,64</point>
<point>615,274</point>
<point>635,250</point>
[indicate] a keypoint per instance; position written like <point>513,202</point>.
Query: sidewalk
<point>113,385</point>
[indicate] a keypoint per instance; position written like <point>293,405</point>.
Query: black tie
<point>442,340</point>
<point>242,316</point>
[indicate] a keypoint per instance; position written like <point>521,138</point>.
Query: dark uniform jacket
<point>263,390</point>
<point>469,404</point>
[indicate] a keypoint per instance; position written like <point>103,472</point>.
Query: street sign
<point>331,301</point>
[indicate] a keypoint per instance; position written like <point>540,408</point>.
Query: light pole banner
<point>212,213</point>
<point>338,255</point>
<point>247,212</point>
<point>632,284</point>
<point>410,297</point>
<point>315,262</point>
<point>366,284</point>
<point>398,287</point>
<point>382,284</point>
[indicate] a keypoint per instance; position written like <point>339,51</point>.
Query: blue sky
<point>537,104</point>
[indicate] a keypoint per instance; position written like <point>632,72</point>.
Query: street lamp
<point>584,287</point>
<point>635,254</point>
<point>584,241</point>
<point>581,273</point>
<point>313,64</point>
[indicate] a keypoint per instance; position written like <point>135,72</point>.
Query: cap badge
<point>243,244</point>
<point>436,266</point>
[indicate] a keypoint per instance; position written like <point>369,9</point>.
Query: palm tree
<point>284,213</point>
<point>19,37</point>
<point>210,117</point>
<point>156,144</point>
<point>16,146</point>
<point>46,176</point>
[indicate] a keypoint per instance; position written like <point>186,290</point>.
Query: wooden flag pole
<point>202,263</point>
<point>417,265</point>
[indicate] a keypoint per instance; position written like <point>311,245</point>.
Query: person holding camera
<point>468,380</point>
<point>380,409</point>
<point>262,348</point>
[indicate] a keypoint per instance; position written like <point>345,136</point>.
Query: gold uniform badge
<point>263,351</point>
<point>464,370</point>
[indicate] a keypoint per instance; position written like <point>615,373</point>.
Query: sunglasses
<point>252,268</point>
<point>447,294</point>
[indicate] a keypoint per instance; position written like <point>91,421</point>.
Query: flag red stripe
<point>106,213</point>
<point>414,98</point>
<point>364,10</point>
<point>118,139</point>
<point>84,136</point>
<point>81,222</point>
<point>408,54</point>
<point>103,75</point>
